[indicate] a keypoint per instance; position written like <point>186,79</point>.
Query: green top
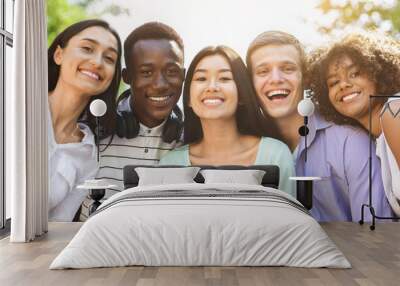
<point>270,152</point>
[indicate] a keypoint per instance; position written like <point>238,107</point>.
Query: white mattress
<point>201,224</point>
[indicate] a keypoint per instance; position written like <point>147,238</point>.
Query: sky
<point>228,22</point>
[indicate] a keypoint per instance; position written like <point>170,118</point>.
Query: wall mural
<point>205,98</point>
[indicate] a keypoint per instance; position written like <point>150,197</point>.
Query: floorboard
<point>374,255</point>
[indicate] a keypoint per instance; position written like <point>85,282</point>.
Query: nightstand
<point>97,190</point>
<point>304,190</point>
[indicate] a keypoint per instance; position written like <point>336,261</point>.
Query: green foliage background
<point>374,14</point>
<point>61,14</point>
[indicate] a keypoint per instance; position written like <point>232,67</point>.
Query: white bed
<point>201,224</point>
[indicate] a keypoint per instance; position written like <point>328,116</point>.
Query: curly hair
<point>378,57</point>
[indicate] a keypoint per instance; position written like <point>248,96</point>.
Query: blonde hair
<point>276,38</point>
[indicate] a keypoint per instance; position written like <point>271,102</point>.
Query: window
<point>6,44</point>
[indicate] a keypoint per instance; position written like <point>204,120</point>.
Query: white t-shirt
<point>69,165</point>
<point>390,170</point>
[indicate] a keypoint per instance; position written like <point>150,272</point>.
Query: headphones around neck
<point>128,126</point>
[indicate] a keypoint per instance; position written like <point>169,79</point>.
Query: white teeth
<point>159,98</point>
<point>213,101</point>
<point>278,91</point>
<point>350,96</point>
<point>90,74</point>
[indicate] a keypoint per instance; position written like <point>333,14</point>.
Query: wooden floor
<point>374,255</point>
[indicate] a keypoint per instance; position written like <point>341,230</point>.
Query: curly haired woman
<point>344,75</point>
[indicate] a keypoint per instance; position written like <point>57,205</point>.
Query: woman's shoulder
<point>394,100</point>
<point>272,151</point>
<point>268,142</point>
<point>180,149</point>
<point>177,156</point>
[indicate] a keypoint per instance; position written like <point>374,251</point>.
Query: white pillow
<point>248,177</point>
<point>164,176</point>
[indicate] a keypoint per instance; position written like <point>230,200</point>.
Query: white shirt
<point>390,170</point>
<point>69,165</point>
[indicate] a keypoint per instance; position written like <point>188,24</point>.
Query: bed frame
<point>270,179</point>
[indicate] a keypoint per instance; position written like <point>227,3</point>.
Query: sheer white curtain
<point>26,132</point>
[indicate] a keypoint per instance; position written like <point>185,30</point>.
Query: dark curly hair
<point>378,57</point>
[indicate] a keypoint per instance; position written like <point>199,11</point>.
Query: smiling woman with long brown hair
<point>84,64</point>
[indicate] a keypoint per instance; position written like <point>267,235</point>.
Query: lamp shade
<point>98,107</point>
<point>305,107</point>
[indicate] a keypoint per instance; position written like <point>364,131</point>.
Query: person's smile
<point>91,74</point>
<point>213,101</point>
